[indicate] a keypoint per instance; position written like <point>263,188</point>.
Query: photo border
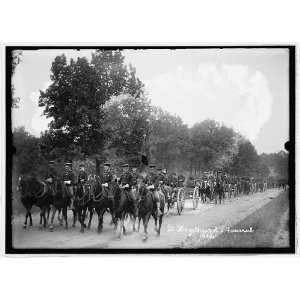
<point>290,146</point>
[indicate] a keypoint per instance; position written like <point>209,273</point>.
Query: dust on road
<point>203,224</point>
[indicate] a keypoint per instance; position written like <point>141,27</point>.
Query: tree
<point>212,145</point>
<point>127,123</point>
<point>168,140</point>
<point>28,158</point>
<point>76,97</point>
<point>16,59</point>
<point>245,161</point>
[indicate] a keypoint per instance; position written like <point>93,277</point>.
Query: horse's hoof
<point>81,230</point>
<point>51,228</point>
<point>24,226</point>
<point>144,239</point>
<point>84,226</point>
<point>73,225</point>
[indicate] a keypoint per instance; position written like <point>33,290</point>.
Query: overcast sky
<point>246,89</point>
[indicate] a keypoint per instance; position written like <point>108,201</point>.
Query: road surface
<point>194,228</point>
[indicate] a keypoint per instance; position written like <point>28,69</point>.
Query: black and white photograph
<point>153,149</point>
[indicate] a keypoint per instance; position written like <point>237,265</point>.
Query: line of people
<point>156,179</point>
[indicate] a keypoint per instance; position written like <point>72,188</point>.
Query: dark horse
<point>83,200</point>
<point>100,201</point>
<point>146,209</point>
<point>219,191</point>
<point>61,201</point>
<point>34,192</point>
<point>124,205</point>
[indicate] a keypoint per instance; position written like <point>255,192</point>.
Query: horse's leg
<point>60,217</point>
<point>65,215</point>
<point>26,217</point>
<point>145,223</point>
<point>30,218</point>
<point>44,217</point>
<point>159,224</point>
<point>123,223</point>
<point>52,217</point>
<point>81,218</point>
<point>139,223</point>
<point>41,218</point>
<point>100,220</point>
<point>90,219</point>
<point>75,212</point>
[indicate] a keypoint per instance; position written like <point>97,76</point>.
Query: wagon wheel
<point>180,200</point>
<point>195,197</point>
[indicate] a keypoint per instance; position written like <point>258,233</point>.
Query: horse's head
<point>142,190</point>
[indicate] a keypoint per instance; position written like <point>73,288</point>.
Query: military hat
<point>81,165</point>
<point>125,165</point>
<point>68,163</point>
<point>51,162</point>
<point>152,165</point>
<point>159,169</point>
<point>107,164</point>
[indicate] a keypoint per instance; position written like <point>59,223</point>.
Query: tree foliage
<point>76,97</point>
<point>28,158</point>
<point>16,59</point>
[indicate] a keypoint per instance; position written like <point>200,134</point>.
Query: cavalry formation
<point>139,196</point>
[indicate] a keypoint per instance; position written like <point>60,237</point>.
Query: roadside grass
<point>265,224</point>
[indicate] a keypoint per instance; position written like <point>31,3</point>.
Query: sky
<point>246,89</point>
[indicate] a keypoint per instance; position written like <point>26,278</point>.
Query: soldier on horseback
<point>126,178</point>
<point>152,185</point>
<point>107,179</point>
<point>51,176</point>
<point>82,177</point>
<point>163,181</point>
<point>69,180</point>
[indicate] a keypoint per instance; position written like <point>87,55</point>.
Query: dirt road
<point>202,224</point>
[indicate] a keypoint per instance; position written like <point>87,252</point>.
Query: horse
<point>124,205</point>
<point>34,192</point>
<point>81,203</point>
<point>146,209</point>
<point>100,202</point>
<point>219,191</point>
<point>61,201</point>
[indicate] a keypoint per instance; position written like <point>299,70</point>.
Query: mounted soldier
<point>82,177</point>
<point>126,178</point>
<point>51,176</point>
<point>69,181</point>
<point>153,184</point>
<point>164,181</point>
<point>107,179</point>
<point>181,180</point>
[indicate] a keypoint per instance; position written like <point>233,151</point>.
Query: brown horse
<point>101,201</point>
<point>146,209</point>
<point>124,205</point>
<point>61,201</point>
<point>83,199</point>
<point>34,192</point>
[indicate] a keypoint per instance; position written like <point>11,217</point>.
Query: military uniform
<point>107,179</point>
<point>69,180</point>
<point>152,180</point>
<point>82,177</point>
<point>51,176</point>
<point>126,179</point>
